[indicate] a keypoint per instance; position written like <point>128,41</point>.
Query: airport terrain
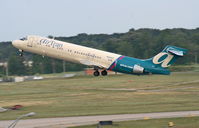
<point>187,122</point>
<point>115,94</point>
<point>64,122</point>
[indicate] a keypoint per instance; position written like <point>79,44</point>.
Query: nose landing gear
<point>20,52</point>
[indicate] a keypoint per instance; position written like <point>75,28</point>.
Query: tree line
<point>141,43</point>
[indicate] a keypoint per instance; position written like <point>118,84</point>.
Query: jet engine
<point>138,69</point>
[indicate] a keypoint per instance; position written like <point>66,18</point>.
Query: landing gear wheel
<point>96,73</point>
<point>20,52</point>
<point>104,73</point>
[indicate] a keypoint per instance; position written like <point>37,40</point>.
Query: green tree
<point>16,66</point>
<point>37,66</point>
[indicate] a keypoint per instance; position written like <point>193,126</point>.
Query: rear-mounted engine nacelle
<point>138,69</point>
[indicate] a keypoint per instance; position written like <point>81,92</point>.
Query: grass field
<point>88,95</point>
<point>189,122</point>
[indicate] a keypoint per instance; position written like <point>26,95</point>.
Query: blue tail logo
<point>164,62</point>
<point>168,56</point>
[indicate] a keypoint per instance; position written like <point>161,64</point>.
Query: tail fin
<point>168,56</point>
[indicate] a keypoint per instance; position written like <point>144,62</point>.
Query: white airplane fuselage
<point>66,51</point>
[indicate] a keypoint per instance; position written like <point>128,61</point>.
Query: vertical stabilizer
<point>168,56</point>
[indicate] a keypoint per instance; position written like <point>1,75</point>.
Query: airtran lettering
<point>126,66</point>
<point>50,43</point>
<point>165,62</point>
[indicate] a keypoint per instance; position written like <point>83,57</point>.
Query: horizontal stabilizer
<point>175,50</point>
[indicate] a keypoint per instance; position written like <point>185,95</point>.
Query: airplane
<point>99,59</point>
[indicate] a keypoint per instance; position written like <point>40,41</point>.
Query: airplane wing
<point>90,63</point>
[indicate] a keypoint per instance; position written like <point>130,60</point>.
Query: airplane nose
<point>16,43</point>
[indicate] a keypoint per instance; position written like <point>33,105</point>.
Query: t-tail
<point>164,59</point>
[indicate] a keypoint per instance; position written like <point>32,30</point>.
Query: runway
<point>87,120</point>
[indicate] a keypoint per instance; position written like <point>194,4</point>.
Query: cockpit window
<point>24,38</point>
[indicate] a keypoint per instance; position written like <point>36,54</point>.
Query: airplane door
<point>30,42</point>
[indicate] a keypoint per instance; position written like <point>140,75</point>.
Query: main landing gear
<point>97,73</point>
<point>104,73</point>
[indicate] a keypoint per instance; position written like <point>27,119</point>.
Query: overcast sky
<point>19,18</point>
